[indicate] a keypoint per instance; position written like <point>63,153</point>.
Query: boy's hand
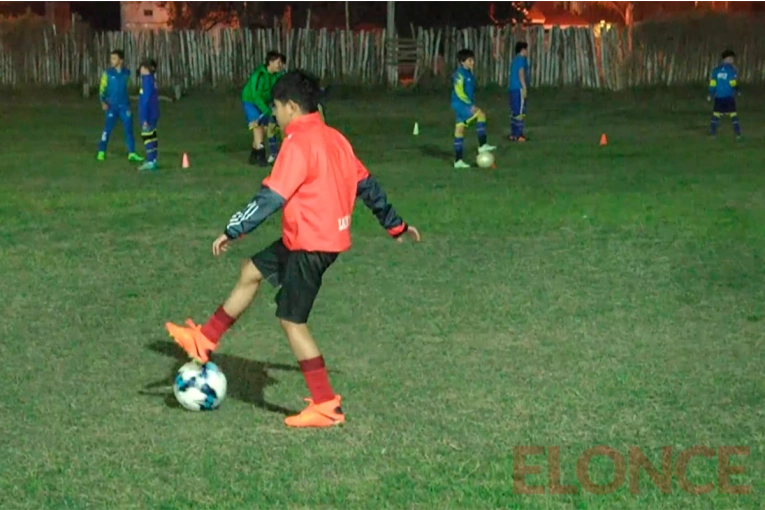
<point>524,92</point>
<point>104,106</point>
<point>709,98</point>
<point>473,109</point>
<point>220,245</point>
<point>412,232</point>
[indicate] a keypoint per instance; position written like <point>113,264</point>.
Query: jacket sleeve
<point>103,87</point>
<point>374,197</point>
<point>458,82</point>
<point>289,173</point>
<point>713,82</point>
<point>258,92</point>
<point>265,203</point>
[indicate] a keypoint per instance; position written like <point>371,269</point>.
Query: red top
<point>317,174</point>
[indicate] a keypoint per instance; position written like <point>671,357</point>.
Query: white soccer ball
<point>200,387</point>
<point>485,159</point>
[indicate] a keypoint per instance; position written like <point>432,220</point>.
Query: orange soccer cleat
<point>191,339</point>
<point>326,414</point>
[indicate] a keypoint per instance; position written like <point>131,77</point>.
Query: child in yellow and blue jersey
<point>115,102</point>
<point>723,87</point>
<point>518,87</point>
<point>148,113</point>
<point>465,109</point>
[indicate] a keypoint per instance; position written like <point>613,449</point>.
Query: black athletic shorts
<point>725,105</point>
<point>298,273</point>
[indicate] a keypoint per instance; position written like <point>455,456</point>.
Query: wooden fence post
<point>589,57</point>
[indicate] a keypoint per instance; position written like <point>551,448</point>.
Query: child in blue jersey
<point>148,113</point>
<point>518,91</point>
<point>115,102</point>
<point>723,87</point>
<point>465,109</point>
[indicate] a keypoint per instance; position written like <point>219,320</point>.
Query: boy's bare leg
<point>324,409</point>
<point>258,153</point>
<point>244,291</point>
<point>301,341</point>
<point>273,143</point>
<point>200,341</point>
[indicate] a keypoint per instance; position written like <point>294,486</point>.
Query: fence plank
<point>585,57</point>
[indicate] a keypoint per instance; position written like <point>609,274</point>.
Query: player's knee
<point>459,130</point>
<point>480,116</point>
<point>249,273</point>
<point>290,327</point>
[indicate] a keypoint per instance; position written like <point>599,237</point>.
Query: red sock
<point>317,380</point>
<point>217,325</point>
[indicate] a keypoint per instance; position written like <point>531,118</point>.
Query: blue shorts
<point>517,104</point>
<point>462,114</point>
<point>253,114</point>
<point>725,105</point>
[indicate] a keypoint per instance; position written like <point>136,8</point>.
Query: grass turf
<point>576,296</point>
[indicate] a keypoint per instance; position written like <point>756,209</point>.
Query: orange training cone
<point>603,140</point>
<point>185,162</point>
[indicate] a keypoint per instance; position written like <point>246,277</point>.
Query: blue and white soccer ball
<point>200,387</point>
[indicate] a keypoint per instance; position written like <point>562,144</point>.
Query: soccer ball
<point>485,159</point>
<point>200,387</point>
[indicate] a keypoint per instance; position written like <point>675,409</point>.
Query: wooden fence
<point>594,57</point>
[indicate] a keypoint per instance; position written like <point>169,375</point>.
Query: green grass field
<point>575,296</point>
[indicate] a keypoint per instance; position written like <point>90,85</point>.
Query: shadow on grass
<point>437,152</point>
<point>246,378</point>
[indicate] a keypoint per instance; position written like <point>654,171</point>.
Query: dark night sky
<point>106,15</point>
<point>100,15</point>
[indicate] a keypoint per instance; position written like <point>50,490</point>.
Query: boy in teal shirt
<point>465,110</point>
<point>115,102</point>
<point>518,91</point>
<point>723,88</point>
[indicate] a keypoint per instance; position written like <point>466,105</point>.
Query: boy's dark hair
<point>520,46</point>
<point>465,54</point>
<point>728,53</point>
<point>150,64</point>
<point>119,53</point>
<point>299,87</point>
<point>275,55</point>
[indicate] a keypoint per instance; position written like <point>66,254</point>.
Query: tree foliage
<point>625,9</point>
<point>509,13</point>
<point>206,15</point>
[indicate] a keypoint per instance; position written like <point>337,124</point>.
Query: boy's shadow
<point>436,152</point>
<point>246,378</point>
